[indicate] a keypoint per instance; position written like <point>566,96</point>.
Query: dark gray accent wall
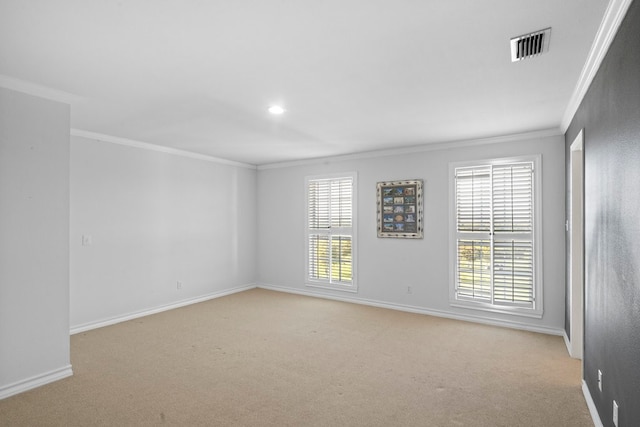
<point>610,116</point>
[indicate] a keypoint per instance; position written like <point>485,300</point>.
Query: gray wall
<point>34,241</point>
<point>610,116</point>
<point>155,219</point>
<point>387,266</point>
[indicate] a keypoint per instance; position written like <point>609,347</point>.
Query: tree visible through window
<point>330,225</point>
<point>494,235</point>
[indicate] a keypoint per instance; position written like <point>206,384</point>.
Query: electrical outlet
<point>179,285</point>
<point>615,413</point>
<point>599,379</point>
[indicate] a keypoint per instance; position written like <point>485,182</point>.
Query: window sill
<point>514,311</point>
<point>334,287</point>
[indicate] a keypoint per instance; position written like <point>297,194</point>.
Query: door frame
<point>576,246</point>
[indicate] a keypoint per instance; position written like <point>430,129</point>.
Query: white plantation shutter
<point>513,271</point>
<point>330,230</point>
<point>494,208</point>
<point>474,268</point>
<point>319,249</point>
<point>513,198</point>
<point>319,207</point>
<point>473,199</point>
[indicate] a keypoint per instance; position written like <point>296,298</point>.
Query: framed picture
<point>400,209</point>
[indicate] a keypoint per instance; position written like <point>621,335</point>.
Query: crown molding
<point>38,90</point>
<point>613,16</point>
<point>545,133</point>
<point>154,147</point>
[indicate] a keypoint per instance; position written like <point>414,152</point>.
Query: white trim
<point>578,142</point>
<point>591,405</point>
<point>538,309</point>
<point>418,310</point>
<point>35,381</point>
<point>125,317</point>
<point>330,287</point>
<point>575,241</point>
<point>505,309</point>
<point>38,90</point>
<point>613,16</point>
<point>567,342</point>
<point>545,133</point>
<point>353,286</point>
<point>154,147</point>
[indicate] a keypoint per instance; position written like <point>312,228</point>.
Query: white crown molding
<point>154,147</point>
<point>418,148</point>
<point>613,16</point>
<point>38,90</point>
<point>35,381</point>
<point>419,310</point>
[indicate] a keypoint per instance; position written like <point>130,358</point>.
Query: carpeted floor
<point>263,358</point>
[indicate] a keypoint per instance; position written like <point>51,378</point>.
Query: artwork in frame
<point>400,209</point>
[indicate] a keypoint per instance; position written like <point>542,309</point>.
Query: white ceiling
<point>354,75</point>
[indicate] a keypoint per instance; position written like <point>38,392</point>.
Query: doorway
<point>576,246</point>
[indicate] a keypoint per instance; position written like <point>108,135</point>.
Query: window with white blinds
<point>330,231</point>
<point>495,236</point>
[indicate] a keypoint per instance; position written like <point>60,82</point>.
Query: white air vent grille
<point>530,45</point>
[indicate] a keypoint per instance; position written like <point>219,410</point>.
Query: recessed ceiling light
<point>276,109</point>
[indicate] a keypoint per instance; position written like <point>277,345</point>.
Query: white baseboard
<point>130,316</point>
<point>35,381</point>
<point>591,405</point>
<point>567,342</point>
<point>419,310</point>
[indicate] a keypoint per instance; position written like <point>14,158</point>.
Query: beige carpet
<point>262,358</point>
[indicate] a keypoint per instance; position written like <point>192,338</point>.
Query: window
<point>330,232</point>
<point>495,237</point>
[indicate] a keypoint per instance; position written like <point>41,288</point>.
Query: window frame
<point>350,231</point>
<point>536,310</point>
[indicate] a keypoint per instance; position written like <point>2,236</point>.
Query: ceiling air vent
<point>529,45</point>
